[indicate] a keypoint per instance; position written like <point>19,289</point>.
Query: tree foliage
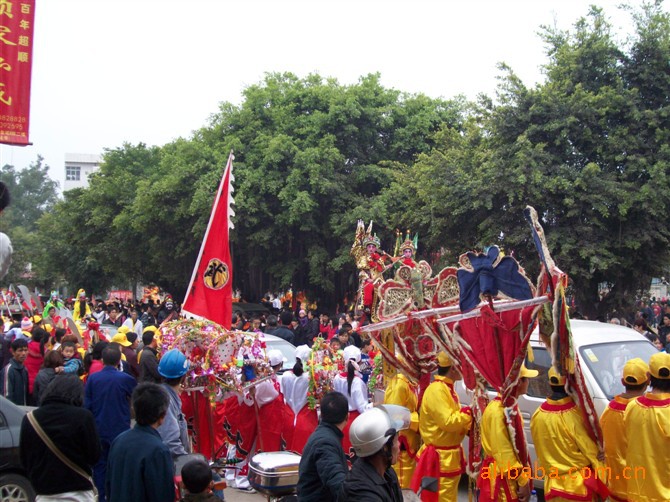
<point>33,194</point>
<point>313,156</point>
<point>588,148</point>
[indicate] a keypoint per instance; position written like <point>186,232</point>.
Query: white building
<point>78,167</point>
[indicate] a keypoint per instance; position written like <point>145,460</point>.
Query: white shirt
<point>266,392</point>
<point>128,323</point>
<point>295,390</point>
<point>358,399</point>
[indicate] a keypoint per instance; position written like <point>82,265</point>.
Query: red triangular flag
<point>210,292</point>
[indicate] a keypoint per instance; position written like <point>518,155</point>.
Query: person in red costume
<point>407,249</point>
<point>375,257</point>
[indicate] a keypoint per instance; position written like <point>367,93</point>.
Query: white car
<point>286,348</point>
<point>603,351</point>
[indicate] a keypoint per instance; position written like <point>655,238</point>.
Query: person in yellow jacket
<point>635,380</point>
<point>647,425</point>
<point>403,392</point>
<point>503,477</point>
<point>566,453</point>
<point>80,310</point>
<point>442,424</point>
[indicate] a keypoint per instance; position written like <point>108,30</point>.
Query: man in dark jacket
<point>14,376</point>
<point>72,429</point>
<point>282,330</point>
<point>313,324</point>
<point>149,357</point>
<point>323,466</point>
<point>140,467</point>
<point>375,440</point>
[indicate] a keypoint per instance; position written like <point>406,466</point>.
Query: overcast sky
<point>112,71</point>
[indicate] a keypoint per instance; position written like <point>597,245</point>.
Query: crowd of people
<point>351,450</point>
<point>86,388</point>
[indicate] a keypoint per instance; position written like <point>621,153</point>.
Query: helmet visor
<point>399,415</point>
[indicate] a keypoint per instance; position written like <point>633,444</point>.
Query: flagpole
<point>229,164</point>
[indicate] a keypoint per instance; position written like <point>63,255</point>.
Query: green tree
<point>33,194</point>
<point>170,212</point>
<point>312,158</point>
<point>94,243</point>
<point>67,260</point>
<point>587,148</point>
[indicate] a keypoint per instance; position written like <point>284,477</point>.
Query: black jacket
<point>72,429</point>
<point>323,466</point>
<point>366,485</point>
<point>283,332</point>
<point>14,382</point>
<point>149,366</point>
<point>43,378</point>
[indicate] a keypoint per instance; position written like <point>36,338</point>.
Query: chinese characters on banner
<point>16,54</point>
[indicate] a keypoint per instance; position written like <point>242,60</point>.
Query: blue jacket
<point>323,466</point>
<point>174,431</point>
<point>107,396</point>
<point>140,468</point>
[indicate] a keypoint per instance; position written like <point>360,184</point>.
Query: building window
<point>72,173</point>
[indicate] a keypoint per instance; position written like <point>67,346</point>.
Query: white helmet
<point>303,353</point>
<point>370,431</point>
<point>275,357</point>
<point>351,352</point>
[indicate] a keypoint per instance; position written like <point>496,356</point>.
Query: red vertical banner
<point>210,292</point>
<point>16,61</point>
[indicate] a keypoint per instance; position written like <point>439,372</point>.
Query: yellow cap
<point>121,339</point>
<point>123,329</point>
<point>635,372</point>
<point>555,378</point>
<point>150,328</point>
<point>443,360</point>
<point>659,365</point>
<point>36,319</point>
<point>526,373</point>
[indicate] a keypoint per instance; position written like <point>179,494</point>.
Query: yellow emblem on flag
<point>216,274</point>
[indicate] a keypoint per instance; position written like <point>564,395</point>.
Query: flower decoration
<point>322,366</point>
<point>220,360</point>
<point>376,380</point>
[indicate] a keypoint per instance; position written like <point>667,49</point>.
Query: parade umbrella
<point>492,341</point>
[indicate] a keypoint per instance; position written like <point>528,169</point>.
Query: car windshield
<point>606,362</point>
